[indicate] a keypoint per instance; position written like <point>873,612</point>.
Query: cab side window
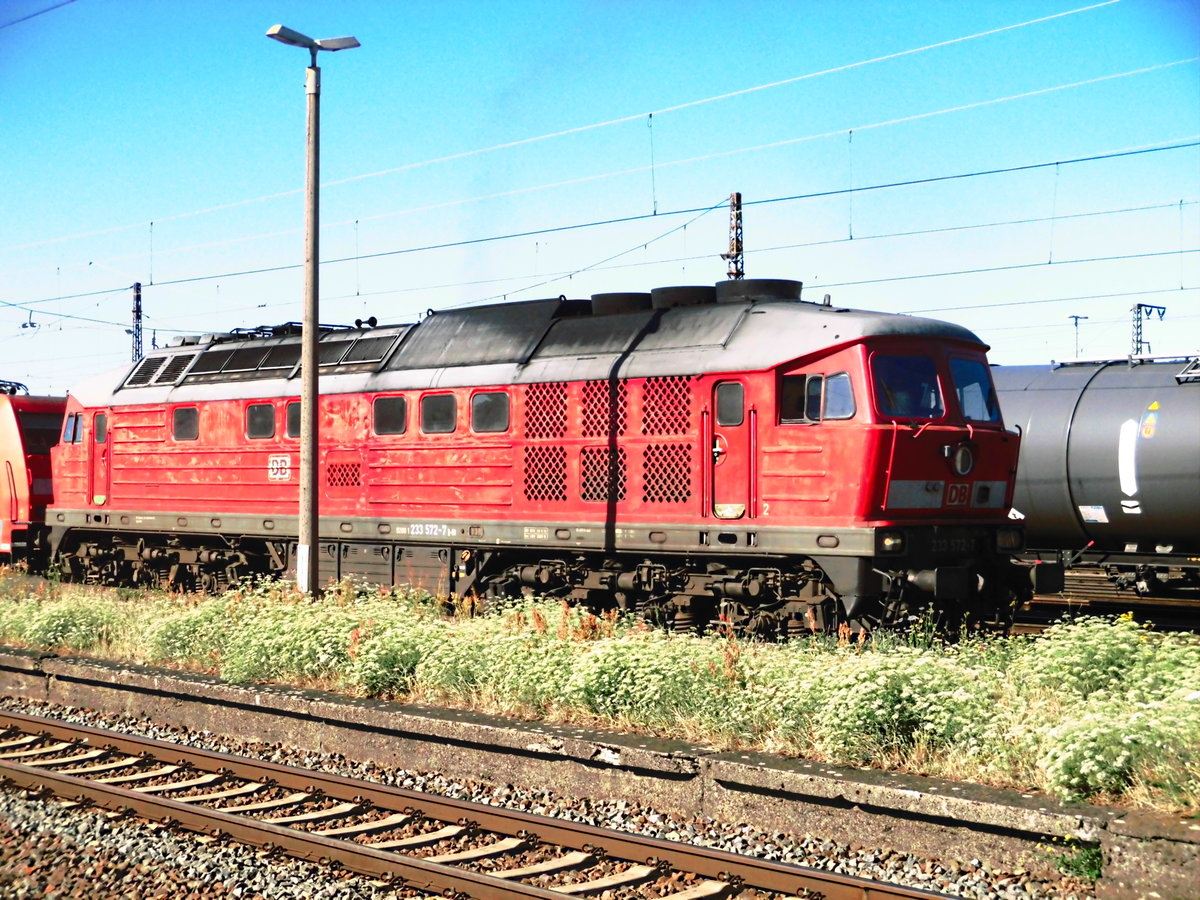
<point>804,399</point>
<point>72,429</point>
<point>839,397</point>
<point>792,393</point>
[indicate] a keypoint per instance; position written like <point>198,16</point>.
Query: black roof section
<point>747,325</point>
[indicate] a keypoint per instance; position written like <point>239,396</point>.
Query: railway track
<point>425,842</point>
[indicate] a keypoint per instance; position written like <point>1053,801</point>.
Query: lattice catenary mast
<point>737,264</point>
<point>136,330</point>
<point>1138,309</point>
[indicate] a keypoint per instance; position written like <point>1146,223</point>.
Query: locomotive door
<point>98,464</point>
<point>730,451</point>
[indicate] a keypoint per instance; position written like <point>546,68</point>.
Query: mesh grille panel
<point>370,349</point>
<point>172,370</point>
<point>546,410</point>
<point>666,473</point>
<point>602,474</point>
<point>666,405</point>
<point>211,361</point>
<point>546,473</point>
<point>605,408</point>
<point>145,370</point>
<point>343,475</point>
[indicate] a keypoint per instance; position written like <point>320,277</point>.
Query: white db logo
<point>279,468</point>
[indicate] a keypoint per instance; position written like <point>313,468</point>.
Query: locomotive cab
<point>936,492</point>
<point>894,451</point>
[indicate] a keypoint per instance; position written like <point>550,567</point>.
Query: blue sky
<point>163,143</point>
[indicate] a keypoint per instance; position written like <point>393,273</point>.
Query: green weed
<point>1079,859</point>
<point>1093,709</point>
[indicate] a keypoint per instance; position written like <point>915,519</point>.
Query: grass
<point>1103,710</point>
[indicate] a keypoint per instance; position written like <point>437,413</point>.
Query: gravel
<point>47,850</point>
<point>50,849</point>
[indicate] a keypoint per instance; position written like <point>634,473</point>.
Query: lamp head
<point>338,43</point>
<point>286,35</point>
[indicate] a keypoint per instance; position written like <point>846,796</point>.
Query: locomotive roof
<point>749,325</point>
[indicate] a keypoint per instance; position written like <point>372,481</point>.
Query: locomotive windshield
<point>907,387</point>
<point>976,395</point>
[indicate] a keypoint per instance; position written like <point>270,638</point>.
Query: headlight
<point>891,542</point>
<point>1010,538</point>
<point>963,460</point>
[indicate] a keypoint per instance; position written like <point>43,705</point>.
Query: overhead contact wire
<point>584,128</point>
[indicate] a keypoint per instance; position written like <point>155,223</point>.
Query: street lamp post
<point>308,545</point>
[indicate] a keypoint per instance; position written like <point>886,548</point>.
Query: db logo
<point>958,494</point>
<point>279,468</point>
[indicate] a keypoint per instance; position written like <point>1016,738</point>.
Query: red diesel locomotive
<point>28,429</point>
<point>685,453</point>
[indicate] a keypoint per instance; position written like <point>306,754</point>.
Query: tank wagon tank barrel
<point>1110,462</point>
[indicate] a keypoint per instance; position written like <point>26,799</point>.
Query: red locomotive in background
<point>28,429</point>
<point>685,453</point>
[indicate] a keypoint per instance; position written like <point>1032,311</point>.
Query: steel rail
<point>744,871</point>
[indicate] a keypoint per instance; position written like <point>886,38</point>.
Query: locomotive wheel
<point>749,621</point>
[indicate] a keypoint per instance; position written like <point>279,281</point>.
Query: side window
<point>293,419</point>
<point>100,428</point>
<point>489,411</point>
<point>185,423</point>
<point>812,397</point>
<point>439,413</point>
<point>260,420</point>
<point>390,415</point>
<point>791,399</point>
<point>731,402</point>
<point>71,429</point>
<point>839,397</point>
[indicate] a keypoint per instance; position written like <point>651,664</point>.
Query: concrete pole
<point>308,547</point>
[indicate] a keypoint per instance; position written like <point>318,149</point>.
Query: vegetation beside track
<point>1098,709</point>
